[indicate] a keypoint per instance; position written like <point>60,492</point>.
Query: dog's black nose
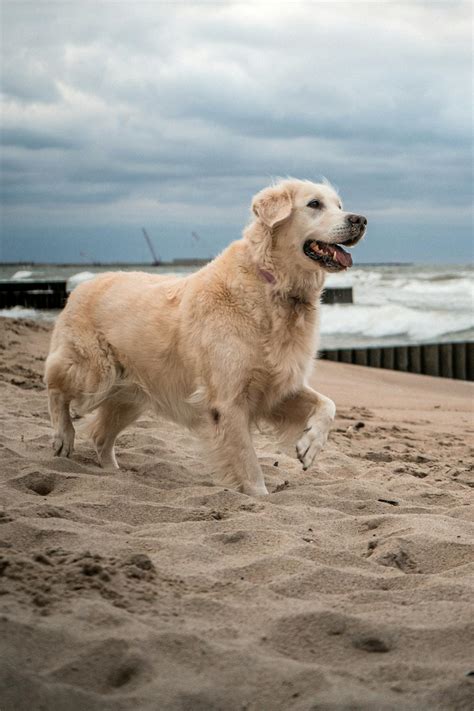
<point>357,219</point>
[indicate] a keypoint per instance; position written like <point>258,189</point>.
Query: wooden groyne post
<point>337,295</point>
<point>447,360</point>
<point>39,294</point>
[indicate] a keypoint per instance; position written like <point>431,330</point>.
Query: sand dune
<point>350,587</point>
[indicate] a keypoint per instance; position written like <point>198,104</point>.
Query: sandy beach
<point>351,586</point>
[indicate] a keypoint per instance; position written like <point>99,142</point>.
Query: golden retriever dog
<point>225,348</point>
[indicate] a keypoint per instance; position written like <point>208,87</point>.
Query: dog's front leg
<point>233,450</point>
<point>310,412</point>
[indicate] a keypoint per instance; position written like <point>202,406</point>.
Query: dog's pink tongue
<point>343,258</point>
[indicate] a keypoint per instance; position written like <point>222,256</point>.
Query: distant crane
<point>156,260</point>
<point>197,240</point>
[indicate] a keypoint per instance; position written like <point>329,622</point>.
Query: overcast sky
<point>170,116</point>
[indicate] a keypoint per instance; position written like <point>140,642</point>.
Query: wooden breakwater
<point>446,360</point>
<point>335,295</point>
<point>52,294</point>
<point>39,294</point>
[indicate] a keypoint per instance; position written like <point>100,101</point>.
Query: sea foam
<point>372,321</point>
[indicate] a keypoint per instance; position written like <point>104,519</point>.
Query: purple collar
<point>268,276</point>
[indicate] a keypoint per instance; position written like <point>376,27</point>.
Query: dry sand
<point>349,587</point>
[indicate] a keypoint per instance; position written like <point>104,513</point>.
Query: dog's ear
<point>272,206</point>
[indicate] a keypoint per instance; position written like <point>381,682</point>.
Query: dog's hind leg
<point>80,369</point>
<point>63,442</point>
<point>110,419</point>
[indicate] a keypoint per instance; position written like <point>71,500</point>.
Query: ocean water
<point>393,304</point>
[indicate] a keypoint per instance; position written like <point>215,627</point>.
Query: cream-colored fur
<point>217,351</point>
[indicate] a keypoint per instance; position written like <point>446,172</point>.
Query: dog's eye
<point>315,204</point>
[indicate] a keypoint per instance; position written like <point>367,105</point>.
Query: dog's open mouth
<point>330,256</point>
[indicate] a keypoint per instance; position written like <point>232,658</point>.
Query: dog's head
<point>304,222</point>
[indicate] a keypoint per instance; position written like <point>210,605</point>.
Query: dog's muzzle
<point>357,225</point>
<point>331,255</point>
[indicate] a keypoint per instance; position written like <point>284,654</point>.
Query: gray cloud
<point>176,114</point>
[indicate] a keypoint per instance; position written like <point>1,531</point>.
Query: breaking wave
<point>34,314</point>
<point>379,322</point>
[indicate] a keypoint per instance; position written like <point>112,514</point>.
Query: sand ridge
<point>349,586</point>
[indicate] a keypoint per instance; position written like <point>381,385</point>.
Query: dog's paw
<point>310,445</point>
<point>108,462</point>
<point>63,445</point>
<point>316,433</point>
<point>255,490</point>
